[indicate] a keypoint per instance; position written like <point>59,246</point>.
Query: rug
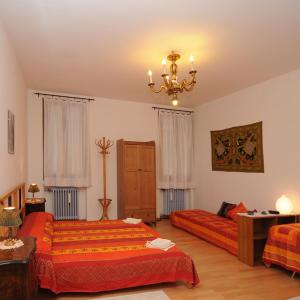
<point>155,295</point>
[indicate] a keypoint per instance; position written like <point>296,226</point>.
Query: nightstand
<point>33,205</point>
<point>253,234</point>
<point>17,272</point>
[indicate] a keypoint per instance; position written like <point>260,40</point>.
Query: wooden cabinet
<point>136,180</point>
<point>253,234</point>
<point>17,272</point>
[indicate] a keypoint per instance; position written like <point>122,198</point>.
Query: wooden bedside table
<point>253,234</point>
<point>17,272</point>
<point>33,205</point>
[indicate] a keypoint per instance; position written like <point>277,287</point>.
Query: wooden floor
<point>222,276</point>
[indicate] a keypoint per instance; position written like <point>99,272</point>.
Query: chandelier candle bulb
<point>192,62</point>
<point>150,76</point>
<point>164,63</point>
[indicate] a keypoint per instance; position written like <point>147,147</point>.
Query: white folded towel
<point>159,243</point>
<point>132,221</point>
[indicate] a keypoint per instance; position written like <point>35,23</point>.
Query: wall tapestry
<point>238,149</point>
<point>11,132</point>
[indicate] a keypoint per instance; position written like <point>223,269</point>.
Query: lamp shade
<point>284,205</point>
<point>33,188</point>
<point>9,217</point>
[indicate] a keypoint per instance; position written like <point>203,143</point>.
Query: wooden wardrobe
<point>136,180</point>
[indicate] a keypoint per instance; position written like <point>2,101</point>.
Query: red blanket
<point>283,246</point>
<point>219,231</point>
<point>103,255</point>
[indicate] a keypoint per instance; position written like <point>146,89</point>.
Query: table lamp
<point>284,205</point>
<point>33,188</point>
<point>10,218</point>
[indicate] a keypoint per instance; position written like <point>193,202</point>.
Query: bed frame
<point>14,197</point>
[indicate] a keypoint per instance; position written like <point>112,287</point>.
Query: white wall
<point>13,98</point>
<point>113,119</point>
<point>275,102</point>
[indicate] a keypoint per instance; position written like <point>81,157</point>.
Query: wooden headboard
<point>15,197</point>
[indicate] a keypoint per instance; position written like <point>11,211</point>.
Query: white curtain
<point>175,150</point>
<point>66,143</point>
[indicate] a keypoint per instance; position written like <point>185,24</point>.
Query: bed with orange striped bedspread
<point>93,256</point>
<point>217,230</point>
<point>283,246</point>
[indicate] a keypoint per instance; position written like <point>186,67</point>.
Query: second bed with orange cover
<point>219,231</point>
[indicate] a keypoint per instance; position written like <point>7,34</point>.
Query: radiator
<point>65,202</point>
<point>173,199</point>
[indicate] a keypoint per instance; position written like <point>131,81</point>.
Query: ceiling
<point>105,48</point>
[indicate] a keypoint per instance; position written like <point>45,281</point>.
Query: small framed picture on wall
<point>11,132</point>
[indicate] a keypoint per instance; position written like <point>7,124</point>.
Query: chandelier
<point>170,85</point>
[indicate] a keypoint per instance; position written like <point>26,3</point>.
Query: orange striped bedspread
<point>217,230</point>
<point>93,256</point>
<point>283,246</point>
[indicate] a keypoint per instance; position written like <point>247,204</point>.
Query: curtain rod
<point>179,110</point>
<point>69,97</point>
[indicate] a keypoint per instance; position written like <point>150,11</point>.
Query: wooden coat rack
<point>103,146</point>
